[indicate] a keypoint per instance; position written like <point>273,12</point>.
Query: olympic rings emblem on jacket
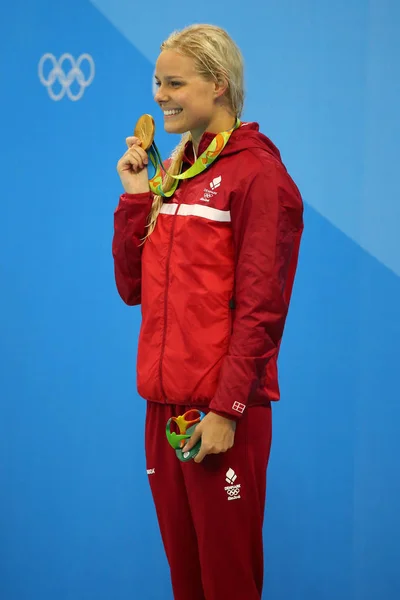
<point>60,73</point>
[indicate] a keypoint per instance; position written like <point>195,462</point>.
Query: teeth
<point>169,113</point>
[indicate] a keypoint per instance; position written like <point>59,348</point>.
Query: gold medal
<point>144,130</point>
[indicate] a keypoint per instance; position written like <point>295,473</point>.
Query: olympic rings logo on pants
<point>65,77</point>
<point>233,491</point>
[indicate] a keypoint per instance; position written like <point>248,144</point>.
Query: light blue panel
<point>380,217</point>
<point>321,80</point>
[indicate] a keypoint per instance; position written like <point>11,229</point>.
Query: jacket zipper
<point>167,269</point>
<point>232,308</point>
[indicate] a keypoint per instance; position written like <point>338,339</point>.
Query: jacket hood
<point>245,137</point>
<point>248,136</point>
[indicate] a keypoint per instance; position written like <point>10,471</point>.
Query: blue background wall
<point>76,516</point>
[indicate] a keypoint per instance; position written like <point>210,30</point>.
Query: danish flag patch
<point>239,407</point>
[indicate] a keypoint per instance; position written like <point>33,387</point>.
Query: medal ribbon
<point>201,164</point>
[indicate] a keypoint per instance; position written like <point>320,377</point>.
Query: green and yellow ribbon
<point>201,164</point>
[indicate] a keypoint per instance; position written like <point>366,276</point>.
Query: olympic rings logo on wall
<point>58,76</point>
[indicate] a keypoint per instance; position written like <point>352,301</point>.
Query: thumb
<point>133,141</point>
<point>194,438</point>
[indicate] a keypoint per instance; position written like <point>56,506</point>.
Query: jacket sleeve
<point>267,224</point>
<point>130,219</point>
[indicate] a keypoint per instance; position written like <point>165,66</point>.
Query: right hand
<point>132,168</point>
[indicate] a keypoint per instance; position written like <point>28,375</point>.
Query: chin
<point>174,127</point>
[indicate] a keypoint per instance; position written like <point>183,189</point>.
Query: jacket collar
<point>205,141</point>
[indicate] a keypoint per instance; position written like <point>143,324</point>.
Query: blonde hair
<point>216,57</point>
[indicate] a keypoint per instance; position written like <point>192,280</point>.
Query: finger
<point>202,454</point>
<point>196,435</point>
<point>132,141</point>
<point>129,162</point>
<point>140,155</point>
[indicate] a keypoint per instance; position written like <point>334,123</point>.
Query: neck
<point>223,122</point>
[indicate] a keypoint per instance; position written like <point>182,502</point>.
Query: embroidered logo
<point>150,471</point>
<point>209,193</point>
<point>230,476</point>
<point>232,491</point>
<point>215,182</point>
<point>239,407</point>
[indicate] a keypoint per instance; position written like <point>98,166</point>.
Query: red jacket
<point>215,277</point>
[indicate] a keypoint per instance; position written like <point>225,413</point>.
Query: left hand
<point>217,435</point>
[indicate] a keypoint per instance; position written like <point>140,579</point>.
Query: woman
<point>213,268</point>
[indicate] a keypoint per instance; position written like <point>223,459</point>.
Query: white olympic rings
<point>66,78</point>
<point>233,491</point>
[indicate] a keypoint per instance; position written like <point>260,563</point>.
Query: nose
<point>160,95</point>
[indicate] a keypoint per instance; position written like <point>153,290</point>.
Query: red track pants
<point>211,514</point>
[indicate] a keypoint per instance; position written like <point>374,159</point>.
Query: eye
<point>157,83</point>
<point>176,83</point>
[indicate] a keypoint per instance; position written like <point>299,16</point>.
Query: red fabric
<point>211,528</point>
<point>130,221</point>
<point>193,347</point>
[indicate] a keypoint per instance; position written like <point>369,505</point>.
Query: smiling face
<point>189,101</point>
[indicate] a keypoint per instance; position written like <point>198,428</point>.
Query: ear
<point>220,87</point>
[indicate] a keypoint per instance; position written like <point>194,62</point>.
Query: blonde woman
<point>213,267</point>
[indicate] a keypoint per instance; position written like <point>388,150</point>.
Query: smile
<point>171,113</point>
